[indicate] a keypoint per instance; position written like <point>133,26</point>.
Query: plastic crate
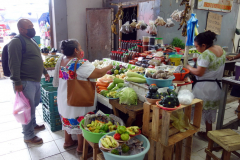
<point>49,97</point>
<point>46,82</point>
<point>51,115</point>
<point>53,128</point>
<point>50,105</point>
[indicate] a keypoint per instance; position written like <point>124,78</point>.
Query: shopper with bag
<point>209,73</point>
<point>76,81</point>
<point>26,69</point>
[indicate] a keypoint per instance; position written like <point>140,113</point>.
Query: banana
<point>104,144</point>
<point>135,129</point>
<point>108,141</point>
<point>114,142</point>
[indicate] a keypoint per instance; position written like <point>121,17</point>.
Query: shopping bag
<point>22,109</point>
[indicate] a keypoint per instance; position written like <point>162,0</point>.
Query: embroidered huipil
<point>71,116</point>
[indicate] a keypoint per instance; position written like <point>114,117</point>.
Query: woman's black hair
<point>68,46</point>
<point>206,38</point>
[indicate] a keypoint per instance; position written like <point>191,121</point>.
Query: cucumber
<point>136,79</point>
<point>111,86</point>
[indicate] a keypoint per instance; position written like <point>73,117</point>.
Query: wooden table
<point>234,123</point>
<point>132,110</point>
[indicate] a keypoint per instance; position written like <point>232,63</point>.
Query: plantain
<point>113,28</point>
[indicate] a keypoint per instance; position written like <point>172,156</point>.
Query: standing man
<point>26,71</point>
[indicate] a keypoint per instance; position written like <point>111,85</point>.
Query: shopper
<point>26,71</point>
<point>64,71</point>
<point>209,73</point>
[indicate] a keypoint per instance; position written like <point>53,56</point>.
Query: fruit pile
<point>125,148</point>
<point>118,71</point>
<point>109,142</point>
<point>123,133</point>
<point>101,127</point>
<point>50,62</point>
<point>169,99</point>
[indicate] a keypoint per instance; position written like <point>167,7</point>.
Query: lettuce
<point>128,96</point>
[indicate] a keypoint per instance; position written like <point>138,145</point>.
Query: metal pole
<point>120,33</point>
<point>191,3</point>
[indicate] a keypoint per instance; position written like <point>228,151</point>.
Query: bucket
<point>175,59</point>
<point>140,156</point>
<point>237,71</point>
<point>180,76</point>
<point>177,49</point>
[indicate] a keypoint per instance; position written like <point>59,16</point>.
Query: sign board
<point>214,22</point>
<point>216,5</point>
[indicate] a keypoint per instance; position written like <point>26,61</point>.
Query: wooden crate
<point>164,132</point>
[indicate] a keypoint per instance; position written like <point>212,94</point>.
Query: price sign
<point>214,22</point>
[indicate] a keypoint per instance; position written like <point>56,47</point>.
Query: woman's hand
<point>230,58</point>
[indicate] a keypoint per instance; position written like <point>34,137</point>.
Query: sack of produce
<point>151,29</point>
<point>160,21</point>
<point>134,23</point>
<point>141,25</point>
<point>169,23</point>
<point>176,15</point>
<point>129,29</point>
<point>185,97</point>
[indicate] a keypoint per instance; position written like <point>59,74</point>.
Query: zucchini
<point>136,79</point>
<point>133,74</point>
<point>120,85</point>
<point>111,86</point>
<point>117,80</point>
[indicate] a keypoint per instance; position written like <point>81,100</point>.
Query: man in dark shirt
<point>26,71</point>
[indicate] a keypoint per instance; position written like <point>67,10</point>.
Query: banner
<point>216,5</point>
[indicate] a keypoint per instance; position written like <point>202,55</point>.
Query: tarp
<point>44,17</point>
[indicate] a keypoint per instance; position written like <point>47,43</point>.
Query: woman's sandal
<point>68,146</point>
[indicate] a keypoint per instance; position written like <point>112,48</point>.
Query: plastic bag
<point>22,109</point>
<point>160,21</point>
<point>169,23</point>
<point>134,23</point>
<point>180,121</point>
<point>141,25</point>
<point>151,29</point>
<point>185,97</point>
<point>176,15</point>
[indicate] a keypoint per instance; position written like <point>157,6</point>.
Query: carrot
<point>102,84</point>
<point>99,87</point>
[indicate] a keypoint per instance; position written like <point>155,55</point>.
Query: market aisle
<point>12,145</point>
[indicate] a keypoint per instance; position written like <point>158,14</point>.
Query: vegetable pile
<point>159,74</point>
<point>101,127</point>
<point>128,96</point>
<point>109,142</point>
<point>135,77</point>
<point>169,99</point>
<point>50,62</point>
<point>121,134</point>
<point>118,71</point>
<point>153,93</point>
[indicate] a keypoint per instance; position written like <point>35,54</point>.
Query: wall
<point>59,18</point>
<point>164,8</point>
<point>76,18</point>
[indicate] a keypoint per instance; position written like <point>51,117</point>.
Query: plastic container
<point>90,136</point>
<point>160,82</point>
<point>49,97</point>
<point>145,48</point>
<point>145,39</point>
<point>151,40</point>
<point>46,82</point>
<point>140,156</point>
<point>237,71</point>
<point>159,41</point>
<point>180,76</point>
<point>175,59</point>
<point>169,53</point>
<point>177,49</point>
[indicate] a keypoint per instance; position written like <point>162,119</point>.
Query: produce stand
<point>156,125</point>
<point>133,110</point>
<point>226,81</point>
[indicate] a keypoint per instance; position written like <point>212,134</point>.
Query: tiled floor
<point>12,145</point>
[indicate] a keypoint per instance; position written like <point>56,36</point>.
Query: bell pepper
<point>117,136</point>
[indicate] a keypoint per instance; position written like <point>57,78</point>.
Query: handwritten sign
<point>216,5</point>
<point>214,22</point>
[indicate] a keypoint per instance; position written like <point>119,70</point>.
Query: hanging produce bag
<point>177,15</point>
<point>169,23</point>
<point>160,21</point>
<point>134,23</point>
<point>141,25</point>
<point>151,29</point>
<point>193,21</point>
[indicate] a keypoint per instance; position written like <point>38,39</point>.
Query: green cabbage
<point>128,96</point>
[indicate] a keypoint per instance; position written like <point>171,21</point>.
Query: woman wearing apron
<point>209,72</point>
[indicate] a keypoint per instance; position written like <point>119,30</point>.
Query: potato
<point>154,76</point>
<point>158,76</point>
<point>160,71</point>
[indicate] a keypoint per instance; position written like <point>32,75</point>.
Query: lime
<point>116,72</point>
<point>117,67</point>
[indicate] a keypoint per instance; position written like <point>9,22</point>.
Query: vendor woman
<point>209,73</point>
<point>64,71</point>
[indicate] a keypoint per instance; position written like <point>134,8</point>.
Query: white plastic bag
<point>134,23</point>
<point>160,21</point>
<point>185,97</point>
<point>141,25</point>
<point>22,109</point>
<point>151,29</point>
<point>169,23</point>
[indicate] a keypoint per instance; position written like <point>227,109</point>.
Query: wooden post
<point>191,3</point>
<point>120,33</point>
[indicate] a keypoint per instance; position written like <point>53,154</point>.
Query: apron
<point>209,80</point>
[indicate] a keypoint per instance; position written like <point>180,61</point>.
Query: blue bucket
<point>160,82</point>
<point>140,156</point>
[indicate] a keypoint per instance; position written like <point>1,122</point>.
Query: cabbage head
<point>128,96</point>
